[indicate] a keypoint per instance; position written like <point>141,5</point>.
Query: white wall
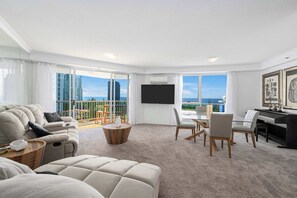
<point>157,113</point>
<point>248,88</point>
<point>247,94</point>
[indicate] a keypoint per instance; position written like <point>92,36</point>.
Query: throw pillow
<point>52,117</point>
<point>38,130</point>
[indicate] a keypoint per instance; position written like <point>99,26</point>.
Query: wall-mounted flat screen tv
<point>157,94</point>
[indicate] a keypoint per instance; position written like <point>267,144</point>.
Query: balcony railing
<point>191,106</point>
<point>94,110</point>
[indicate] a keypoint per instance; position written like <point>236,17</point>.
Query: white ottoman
<point>113,178</point>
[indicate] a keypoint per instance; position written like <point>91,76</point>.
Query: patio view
<point>92,98</point>
<point>203,91</point>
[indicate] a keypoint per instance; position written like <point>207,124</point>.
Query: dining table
<point>202,120</point>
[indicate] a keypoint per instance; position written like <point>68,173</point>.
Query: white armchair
<point>248,127</point>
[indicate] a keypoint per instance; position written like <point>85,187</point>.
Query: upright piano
<point>282,127</point>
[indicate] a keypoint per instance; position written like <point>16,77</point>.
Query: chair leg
<point>222,143</point>
<point>246,137</point>
<point>193,131</point>
<point>266,133</point>
<point>176,133</point>
<point>257,134</point>
<point>232,138</point>
<point>253,138</point>
<point>204,142</point>
<point>229,148</point>
<point>210,146</point>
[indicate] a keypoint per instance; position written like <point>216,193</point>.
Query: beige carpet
<point>188,170</point>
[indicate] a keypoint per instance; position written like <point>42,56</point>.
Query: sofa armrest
<point>54,138</point>
<point>53,125</point>
<point>67,119</point>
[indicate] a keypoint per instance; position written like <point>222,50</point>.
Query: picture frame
<point>272,88</point>
<point>290,88</point>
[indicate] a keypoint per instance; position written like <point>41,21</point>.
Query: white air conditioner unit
<point>159,79</point>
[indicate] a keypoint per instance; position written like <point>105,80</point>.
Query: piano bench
<point>262,126</point>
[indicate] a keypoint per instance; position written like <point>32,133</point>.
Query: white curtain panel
<point>179,93</point>
<point>132,98</point>
<point>231,96</point>
<point>44,85</point>
<point>177,80</point>
<point>14,83</point>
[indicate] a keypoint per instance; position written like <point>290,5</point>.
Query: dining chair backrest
<point>176,117</point>
<point>220,125</point>
<point>201,109</point>
<point>250,119</point>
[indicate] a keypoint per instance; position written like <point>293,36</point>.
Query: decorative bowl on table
<point>18,145</point>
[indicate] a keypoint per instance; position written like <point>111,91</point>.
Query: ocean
<point>204,100</point>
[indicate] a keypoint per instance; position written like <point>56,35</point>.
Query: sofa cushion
<point>111,177</point>
<point>11,128</point>
<point>46,186</point>
<point>38,130</point>
<point>9,168</point>
<point>52,117</point>
<point>22,116</point>
<point>38,114</point>
<point>29,113</point>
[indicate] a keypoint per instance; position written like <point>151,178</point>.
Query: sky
<point>97,87</point>
<point>212,86</point>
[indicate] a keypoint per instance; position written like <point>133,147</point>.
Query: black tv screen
<point>157,94</point>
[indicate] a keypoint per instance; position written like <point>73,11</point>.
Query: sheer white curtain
<point>14,81</point>
<point>44,85</point>
<point>179,92</point>
<point>132,98</point>
<point>231,96</point>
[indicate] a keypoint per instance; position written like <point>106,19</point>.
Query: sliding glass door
<point>91,97</point>
<point>119,92</point>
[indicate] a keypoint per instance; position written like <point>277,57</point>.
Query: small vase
<point>118,121</point>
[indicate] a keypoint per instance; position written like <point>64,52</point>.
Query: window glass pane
<point>190,92</point>
<point>214,91</point>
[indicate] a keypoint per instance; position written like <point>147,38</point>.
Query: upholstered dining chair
<point>248,126</point>
<point>201,110</point>
<point>183,125</point>
<point>220,128</point>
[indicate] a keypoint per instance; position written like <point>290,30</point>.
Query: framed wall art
<point>271,88</point>
<point>291,88</point>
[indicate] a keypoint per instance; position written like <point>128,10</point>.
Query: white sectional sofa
<point>14,125</point>
<point>79,177</point>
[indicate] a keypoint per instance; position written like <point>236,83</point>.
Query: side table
<point>31,156</point>
<point>117,135</point>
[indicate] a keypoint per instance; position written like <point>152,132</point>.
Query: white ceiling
<point>6,41</point>
<point>157,33</point>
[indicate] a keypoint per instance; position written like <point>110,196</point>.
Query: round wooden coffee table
<point>31,156</point>
<point>116,135</point>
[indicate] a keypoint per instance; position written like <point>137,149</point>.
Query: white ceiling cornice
<point>12,33</point>
<point>279,59</point>
<point>82,62</point>
<point>204,69</point>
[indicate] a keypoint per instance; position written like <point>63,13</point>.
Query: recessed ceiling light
<point>111,56</point>
<point>213,59</point>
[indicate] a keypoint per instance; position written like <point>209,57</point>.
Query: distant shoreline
<point>185,100</point>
